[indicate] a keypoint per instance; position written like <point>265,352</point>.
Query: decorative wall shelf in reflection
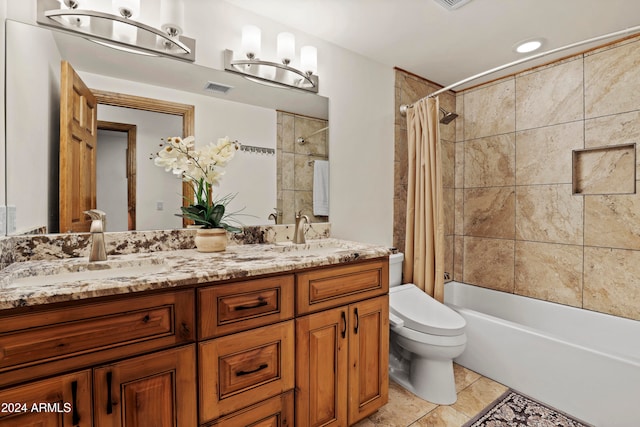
<point>271,73</point>
<point>118,31</point>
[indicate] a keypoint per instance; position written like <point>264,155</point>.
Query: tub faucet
<point>98,251</point>
<point>298,233</point>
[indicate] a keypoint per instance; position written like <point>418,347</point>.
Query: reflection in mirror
<point>303,153</point>
<point>143,207</point>
<point>247,113</point>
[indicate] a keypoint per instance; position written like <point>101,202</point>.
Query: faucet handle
<point>97,215</point>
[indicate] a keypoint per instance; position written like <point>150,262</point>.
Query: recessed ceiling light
<point>528,46</point>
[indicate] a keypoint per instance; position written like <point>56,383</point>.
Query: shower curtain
<point>424,247</point>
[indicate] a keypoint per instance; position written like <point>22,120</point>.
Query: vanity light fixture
<point>120,27</point>
<point>282,73</point>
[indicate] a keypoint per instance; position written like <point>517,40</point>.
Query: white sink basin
<point>108,273</point>
<point>322,246</point>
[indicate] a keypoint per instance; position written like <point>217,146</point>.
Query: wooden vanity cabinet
<point>305,348</point>
<point>342,353</point>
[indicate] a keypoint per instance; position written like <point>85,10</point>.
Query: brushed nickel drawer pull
<point>259,368</point>
<point>261,302</point>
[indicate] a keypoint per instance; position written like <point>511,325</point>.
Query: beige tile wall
<point>512,222</point>
<point>517,226</point>
<point>295,164</point>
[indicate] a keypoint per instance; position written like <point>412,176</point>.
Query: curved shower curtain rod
<point>630,30</point>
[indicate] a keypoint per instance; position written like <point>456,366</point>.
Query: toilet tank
<point>395,269</point>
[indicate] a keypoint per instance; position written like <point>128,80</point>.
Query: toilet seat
<point>424,314</point>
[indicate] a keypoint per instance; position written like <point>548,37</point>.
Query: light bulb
<point>251,41</point>
<point>172,17</point>
<point>129,9</point>
<point>286,47</point>
<point>309,59</point>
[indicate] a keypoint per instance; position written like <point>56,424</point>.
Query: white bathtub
<point>581,362</point>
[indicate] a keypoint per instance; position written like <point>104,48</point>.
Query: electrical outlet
<point>160,206</point>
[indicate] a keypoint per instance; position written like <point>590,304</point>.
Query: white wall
<point>361,104</point>
<point>33,90</point>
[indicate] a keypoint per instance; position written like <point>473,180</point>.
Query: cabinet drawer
<point>240,306</point>
<point>274,412</point>
<point>330,287</point>
<point>242,369</point>
<point>130,325</point>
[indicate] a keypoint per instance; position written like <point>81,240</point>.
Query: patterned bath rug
<point>512,409</point>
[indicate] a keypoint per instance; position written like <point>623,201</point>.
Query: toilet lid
<point>422,313</point>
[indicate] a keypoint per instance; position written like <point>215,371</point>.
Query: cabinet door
<point>321,368</point>
<point>55,402</point>
<point>155,390</point>
<point>368,357</point>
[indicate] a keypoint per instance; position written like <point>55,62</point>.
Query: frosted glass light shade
<point>309,59</point>
<point>124,32</point>
<point>127,8</point>
<point>75,21</point>
<point>172,17</point>
<point>286,47</point>
<point>251,41</point>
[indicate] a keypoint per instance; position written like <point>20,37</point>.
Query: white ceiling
<point>446,46</point>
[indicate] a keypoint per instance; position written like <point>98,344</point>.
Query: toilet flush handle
<point>395,322</point>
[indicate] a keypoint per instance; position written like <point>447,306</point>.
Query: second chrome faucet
<point>98,250</point>
<point>299,232</point>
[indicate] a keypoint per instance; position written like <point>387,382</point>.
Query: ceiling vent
<point>217,87</point>
<point>452,4</point>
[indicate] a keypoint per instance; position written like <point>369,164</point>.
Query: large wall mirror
<point>271,181</point>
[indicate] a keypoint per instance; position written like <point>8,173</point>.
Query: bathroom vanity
<point>278,335</point>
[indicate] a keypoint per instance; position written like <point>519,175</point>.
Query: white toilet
<point>425,338</point>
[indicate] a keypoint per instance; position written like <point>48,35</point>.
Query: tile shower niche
<point>605,170</point>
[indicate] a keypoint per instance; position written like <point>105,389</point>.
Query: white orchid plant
<point>202,169</point>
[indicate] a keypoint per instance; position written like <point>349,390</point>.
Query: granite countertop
<point>32,283</point>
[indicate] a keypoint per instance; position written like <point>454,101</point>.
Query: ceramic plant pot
<point>211,239</point>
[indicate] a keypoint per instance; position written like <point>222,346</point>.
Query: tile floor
<point>405,409</point>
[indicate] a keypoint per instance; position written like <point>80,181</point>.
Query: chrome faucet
<point>298,233</point>
<point>98,250</point>
<point>275,216</point>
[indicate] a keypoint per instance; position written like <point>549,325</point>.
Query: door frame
<point>186,111</point>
